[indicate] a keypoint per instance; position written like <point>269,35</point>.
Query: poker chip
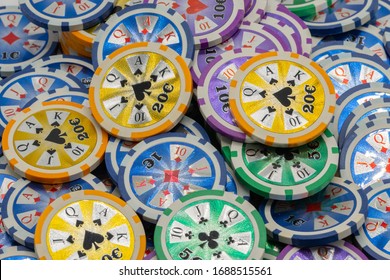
<point>339,250</point>
<point>5,240</point>
<point>364,112</point>
<point>343,16</point>
<point>210,225</point>
<point>6,181</point>
<point>354,97</point>
<point>22,42</point>
<point>282,99</point>
<point>17,253</point>
<point>347,70</point>
<point>77,95</point>
<point>143,23</point>
<point>367,36</point>
<point>279,16</point>
<point>328,216</point>
<point>6,169</point>
<point>373,236</point>
<point>364,156</point>
<point>161,169</point>
<point>66,15</point>
<point>249,35</point>
<point>210,23</point>
<point>326,49</point>
<point>77,66</point>
<point>256,11</point>
<point>110,229</point>
<point>306,8</point>
<point>213,92</point>
<point>287,174</point>
<point>21,87</point>
<point>25,201</point>
<point>54,142</point>
<point>140,90</point>
<point>233,185</point>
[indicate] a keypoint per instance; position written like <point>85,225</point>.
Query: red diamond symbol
<point>11,25</point>
<point>384,225</point>
<point>38,214</point>
<point>171,176</point>
<point>145,31</point>
<point>313,207</point>
<point>11,38</point>
<point>334,207</point>
<point>178,159</point>
<point>186,188</point>
<point>166,192</point>
<point>152,181</point>
<point>37,199</point>
<point>387,209</point>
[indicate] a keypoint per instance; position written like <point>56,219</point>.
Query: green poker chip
<point>225,143</point>
<point>210,225</point>
<point>272,250</point>
<point>286,173</point>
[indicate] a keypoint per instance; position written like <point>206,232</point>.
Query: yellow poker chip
<point>89,225</point>
<point>140,90</point>
<point>54,142</point>
<point>282,99</point>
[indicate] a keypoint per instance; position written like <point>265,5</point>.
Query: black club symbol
<point>203,220</point>
<point>217,254</point>
<point>276,165</point>
<point>230,240</point>
<point>297,164</point>
<point>209,239</point>
<point>189,235</point>
<point>223,223</point>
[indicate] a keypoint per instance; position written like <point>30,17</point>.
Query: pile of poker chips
<point>159,127</point>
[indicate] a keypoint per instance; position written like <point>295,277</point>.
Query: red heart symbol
<point>199,18</point>
<point>175,5</point>
<point>195,6</point>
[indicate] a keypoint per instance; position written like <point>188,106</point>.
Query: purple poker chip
<point>249,35</point>
<point>211,22</point>
<point>256,11</point>
<point>279,16</point>
<point>339,250</point>
<point>213,92</point>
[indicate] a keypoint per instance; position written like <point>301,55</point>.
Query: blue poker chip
<point>365,36</point>
<point>354,97</point>
<point>328,216</point>
<point>365,154</point>
<point>77,66</point>
<point>144,23</point>
<point>66,15</point>
<point>374,235</point>
<point>323,50</point>
<point>343,16</point>
<point>161,169</point>
<point>25,201</point>
<point>366,112</point>
<point>76,95</point>
<point>18,89</point>
<point>234,185</point>
<point>17,253</point>
<point>117,149</point>
<point>347,70</point>
<point>22,42</point>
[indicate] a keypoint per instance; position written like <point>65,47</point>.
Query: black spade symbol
<point>141,89</point>
<point>92,238</point>
<point>55,136</point>
<point>284,96</point>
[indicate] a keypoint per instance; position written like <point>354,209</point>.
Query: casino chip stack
<point>188,130</point>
